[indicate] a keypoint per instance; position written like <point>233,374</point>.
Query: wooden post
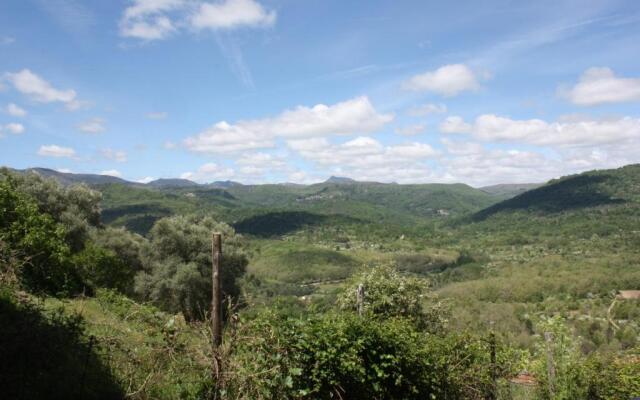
<point>551,368</point>
<point>494,366</point>
<point>360,299</point>
<point>216,303</point>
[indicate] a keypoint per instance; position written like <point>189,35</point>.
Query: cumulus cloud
<point>114,155</point>
<point>602,86</point>
<point>146,179</point>
<point>146,19</point>
<point>53,150</point>
<point>367,159</point>
<point>232,14</point>
<point>94,125</point>
<point>112,172</point>
<point>411,130</point>
<point>258,164</point>
<point>571,132</point>
<point>14,128</point>
<point>14,110</point>
<point>448,80</point>
<point>349,117</point>
<point>158,19</point>
<point>209,172</point>
<point>426,109</point>
<point>486,167</point>
<point>41,91</point>
<point>454,124</point>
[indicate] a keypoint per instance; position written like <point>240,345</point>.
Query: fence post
<point>360,299</point>
<point>551,368</point>
<point>216,305</point>
<point>494,366</point>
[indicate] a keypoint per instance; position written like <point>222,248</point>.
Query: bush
<point>343,356</point>
<point>100,267</point>
<point>389,294</point>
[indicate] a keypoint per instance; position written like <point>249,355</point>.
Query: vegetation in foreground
<point>127,313</point>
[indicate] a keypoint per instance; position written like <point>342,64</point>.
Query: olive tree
<point>176,272</point>
<point>76,207</point>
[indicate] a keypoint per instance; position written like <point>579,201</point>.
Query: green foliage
<point>343,356</point>
<point>569,377</point>
<point>100,267</point>
<point>389,294</point>
<point>177,264</point>
<point>45,354</point>
<point>38,240</point>
<point>613,377</point>
<point>76,207</point>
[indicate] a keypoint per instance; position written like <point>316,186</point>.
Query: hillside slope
<point>588,190</point>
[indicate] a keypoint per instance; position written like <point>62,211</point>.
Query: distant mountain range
<point>68,178</point>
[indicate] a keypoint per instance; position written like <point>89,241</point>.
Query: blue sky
<point>479,92</point>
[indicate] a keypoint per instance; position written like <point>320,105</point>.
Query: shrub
<point>344,356</point>
<point>100,267</point>
<point>389,294</point>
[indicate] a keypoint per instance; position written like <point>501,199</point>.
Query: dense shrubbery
<point>344,356</point>
<point>388,294</point>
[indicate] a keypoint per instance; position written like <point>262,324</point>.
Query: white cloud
<point>461,147</point>
<point>64,170</point>
<point>454,124</point>
<point>426,109</point>
<point>146,19</point>
<point>159,19</point>
<point>94,125</point>
<point>411,130</point>
<point>53,150</point>
<point>231,14</point>
<point>115,155</point>
<point>367,159</point>
<point>209,172</point>
<point>157,115</point>
<point>602,86</point>
<point>146,179</point>
<point>489,127</point>
<point>349,117</point>
<point>486,167</point>
<point>14,110</point>
<point>448,80</point>
<point>14,128</point>
<point>38,89</point>
<point>112,172</point>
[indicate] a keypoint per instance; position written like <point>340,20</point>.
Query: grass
<point>153,355</point>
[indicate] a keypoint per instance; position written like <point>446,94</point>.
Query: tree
<point>76,208</point>
<point>176,272</point>
<point>38,240</point>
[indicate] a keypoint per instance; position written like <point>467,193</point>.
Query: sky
<point>267,91</point>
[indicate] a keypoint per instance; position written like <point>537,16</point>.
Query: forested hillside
<point>117,277</point>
